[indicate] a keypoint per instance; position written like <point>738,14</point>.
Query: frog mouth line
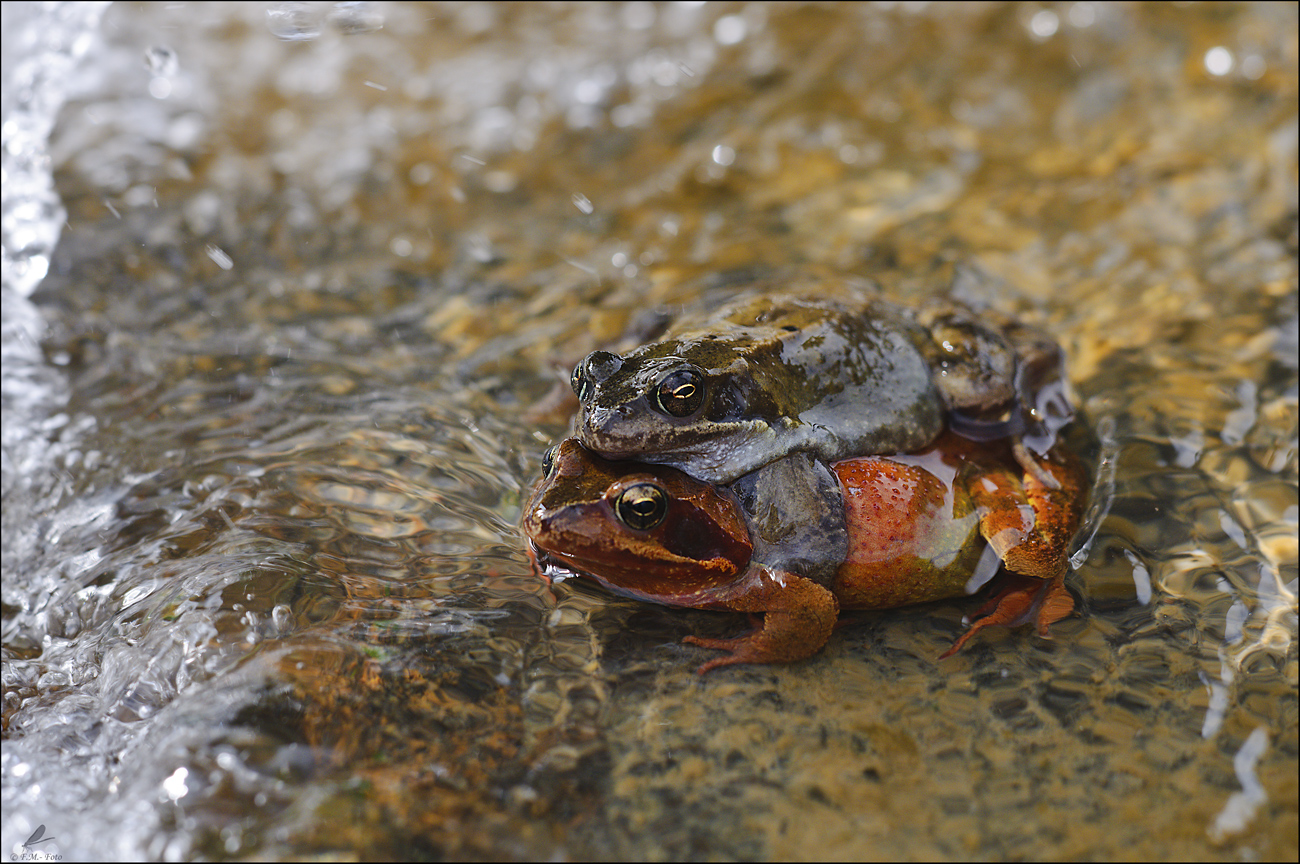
<point>671,447</point>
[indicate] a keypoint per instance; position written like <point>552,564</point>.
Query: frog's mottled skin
<point>779,375</point>
<point>916,528</point>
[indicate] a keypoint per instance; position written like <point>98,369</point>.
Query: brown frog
<point>917,528</point>
<point>768,376</point>
<point>763,378</point>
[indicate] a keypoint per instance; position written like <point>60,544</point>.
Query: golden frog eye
<point>642,506</point>
<point>548,461</point>
<point>680,392</point>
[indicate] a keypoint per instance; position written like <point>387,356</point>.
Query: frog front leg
<point>798,615</point>
<point>1029,521</point>
<point>794,510</point>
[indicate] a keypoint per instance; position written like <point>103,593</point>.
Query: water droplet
<point>293,22</point>
<point>1044,24</point>
<point>583,203</point>
<point>161,61</point>
<point>588,91</point>
<point>282,616</point>
<point>729,29</point>
<point>175,786</point>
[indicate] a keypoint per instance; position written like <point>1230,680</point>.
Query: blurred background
<point>291,296</point>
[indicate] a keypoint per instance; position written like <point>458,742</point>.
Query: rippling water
<point>325,268</point>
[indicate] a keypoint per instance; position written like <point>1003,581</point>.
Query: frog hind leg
<point>1021,599</point>
<point>798,615</point>
<point>1028,521</point>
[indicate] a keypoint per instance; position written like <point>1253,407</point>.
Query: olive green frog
<point>761,379</point>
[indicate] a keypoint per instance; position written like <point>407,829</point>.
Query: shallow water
<point>308,329</point>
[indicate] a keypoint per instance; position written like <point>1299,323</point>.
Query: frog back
<point>913,532</point>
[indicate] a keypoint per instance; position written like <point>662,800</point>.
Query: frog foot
<point>538,570</point>
<point>1028,520</point>
<point>1021,600</point>
<point>798,615</point>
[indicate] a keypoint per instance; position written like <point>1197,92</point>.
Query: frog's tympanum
<point>917,527</point>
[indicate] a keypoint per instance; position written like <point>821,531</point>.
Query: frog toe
<point>740,649</point>
<point>1021,600</point>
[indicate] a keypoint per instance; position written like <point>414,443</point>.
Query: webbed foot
<point>798,615</point>
<point>1021,600</point>
<point>1028,519</point>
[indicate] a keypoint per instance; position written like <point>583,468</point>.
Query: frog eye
<point>680,392</point>
<point>598,368</point>
<point>548,461</point>
<point>642,506</point>
<point>578,380</point>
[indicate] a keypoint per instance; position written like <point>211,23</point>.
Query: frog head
<point>705,404</point>
<point>645,531</point>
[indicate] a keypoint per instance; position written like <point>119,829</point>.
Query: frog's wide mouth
<point>658,581</point>
<point>653,450</point>
<point>607,432</point>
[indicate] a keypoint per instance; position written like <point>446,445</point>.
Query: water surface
<point>308,329</point>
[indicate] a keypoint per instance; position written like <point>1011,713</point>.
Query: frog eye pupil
<point>642,506</point>
<point>548,462</point>
<point>680,392</point>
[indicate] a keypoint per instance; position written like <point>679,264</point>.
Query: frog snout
<point>603,418</point>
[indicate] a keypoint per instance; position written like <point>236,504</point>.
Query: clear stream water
<point>291,295</point>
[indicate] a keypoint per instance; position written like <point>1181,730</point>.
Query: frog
<point>937,523</point>
<point>770,389</point>
<point>764,377</point>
